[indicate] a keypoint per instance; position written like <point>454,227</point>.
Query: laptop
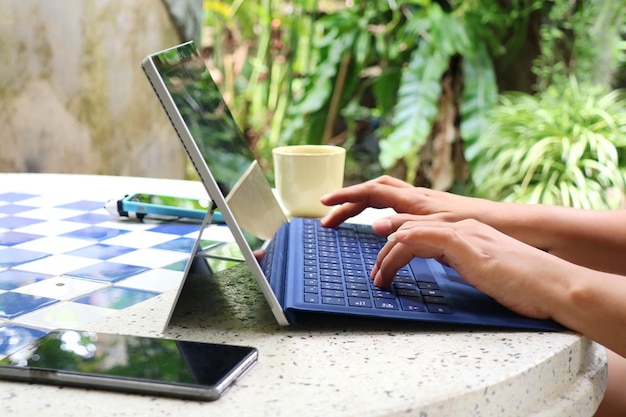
<point>308,271</point>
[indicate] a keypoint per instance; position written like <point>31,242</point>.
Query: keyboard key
<point>435,300</point>
<point>311,298</point>
<point>439,308</point>
<point>405,285</point>
<point>359,294</point>
<point>356,279</point>
<point>330,272</point>
<point>363,228</point>
<point>427,285</point>
<point>383,294</point>
<point>332,286</point>
<point>332,293</point>
<point>358,273</point>
<point>386,304</point>
<point>356,286</point>
<point>333,301</point>
<point>409,293</point>
<point>412,304</point>
<point>334,279</point>
<point>360,302</point>
<point>432,293</point>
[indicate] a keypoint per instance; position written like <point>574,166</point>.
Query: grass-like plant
<point>564,146</point>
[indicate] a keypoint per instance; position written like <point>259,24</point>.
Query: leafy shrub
<point>563,146</point>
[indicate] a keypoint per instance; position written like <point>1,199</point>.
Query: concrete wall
<point>73,98</point>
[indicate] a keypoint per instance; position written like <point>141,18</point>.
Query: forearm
<point>595,239</point>
<point>591,303</point>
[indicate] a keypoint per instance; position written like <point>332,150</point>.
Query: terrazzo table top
<point>338,367</point>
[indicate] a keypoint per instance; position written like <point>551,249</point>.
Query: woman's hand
<point>386,191</point>
<point>519,276</point>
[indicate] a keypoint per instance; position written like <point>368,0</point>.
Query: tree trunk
<point>442,161</point>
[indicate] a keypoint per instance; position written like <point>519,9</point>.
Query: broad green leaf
<point>416,107</point>
<point>479,96</point>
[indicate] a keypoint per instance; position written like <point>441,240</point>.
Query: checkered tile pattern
<point>65,262</point>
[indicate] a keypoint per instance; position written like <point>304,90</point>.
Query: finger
<point>259,254</point>
<point>384,271</point>
<point>341,213</point>
<point>392,181</point>
<point>353,200</point>
<point>383,227</point>
<point>382,253</point>
<point>376,192</point>
<point>389,262</point>
<point>391,242</point>
<point>390,224</point>
<point>421,239</point>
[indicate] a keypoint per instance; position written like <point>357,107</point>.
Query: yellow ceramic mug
<point>304,173</point>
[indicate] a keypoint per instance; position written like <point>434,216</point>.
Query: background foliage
<point>411,87</point>
<point>565,144</point>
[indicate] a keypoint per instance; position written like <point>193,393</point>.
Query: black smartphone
<point>131,364</point>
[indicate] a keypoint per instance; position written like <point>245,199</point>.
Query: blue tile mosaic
<point>95,233</point>
<point>10,257</point>
<point>12,197</point>
<point>176,228</point>
<point>13,222</point>
<point>107,271</point>
<point>13,304</point>
<point>85,205</point>
<point>182,244</point>
<point>15,208</point>
<point>177,266</point>
<point>89,218</point>
<point>116,297</point>
<point>14,337</point>
<point>15,238</point>
<point>24,292</point>
<point>100,251</point>
<point>11,278</point>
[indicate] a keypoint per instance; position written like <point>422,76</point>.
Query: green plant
<point>375,76</point>
<point>385,64</point>
<point>366,76</point>
<point>255,49</point>
<point>580,38</point>
<point>566,145</point>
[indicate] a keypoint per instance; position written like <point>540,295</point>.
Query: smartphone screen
<point>166,200</point>
<point>142,204</point>
<point>134,364</point>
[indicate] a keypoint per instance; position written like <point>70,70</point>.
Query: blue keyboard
<point>313,269</point>
<point>337,266</point>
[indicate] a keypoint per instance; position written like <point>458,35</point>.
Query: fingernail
<point>374,272</point>
<point>392,237</point>
<point>382,223</point>
<point>377,278</point>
